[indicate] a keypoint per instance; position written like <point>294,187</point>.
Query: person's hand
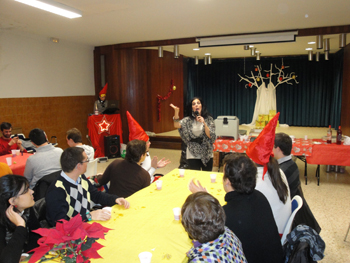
<point>200,119</point>
<point>19,143</point>
<point>176,109</point>
<point>122,201</point>
<point>162,163</point>
<point>14,217</point>
<point>101,214</point>
<point>196,188</point>
<point>154,162</point>
<point>13,141</point>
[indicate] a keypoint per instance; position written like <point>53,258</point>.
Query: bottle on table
<point>339,135</point>
<point>329,135</point>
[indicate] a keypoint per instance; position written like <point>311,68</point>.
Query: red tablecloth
<point>329,154</point>
<point>18,167</point>
<point>103,125</point>
<point>300,146</point>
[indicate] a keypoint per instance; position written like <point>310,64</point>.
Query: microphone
<point>196,113</point>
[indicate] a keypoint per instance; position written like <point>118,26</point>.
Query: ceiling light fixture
<point>311,42</point>
<point>176,51</point>
<point>160,52</point>
<point>196,49</point>
<point>342,40</point>
<point>288,36</point>
<point>309,48</point>
<point>209,59</point>
<point>207,54</point>
<point>326,44</point>
<point>196,60</point>
<point>252,51</point>
<point>326,55</point>
<point>258,56</point>
<point>310,55</point>
<point>318,56</point>
<point>319,41</point>
<point>53,7</point>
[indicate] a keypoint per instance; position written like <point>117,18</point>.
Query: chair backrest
<point>297,203</point>
<point>91,168</point>
<point>43,184</point>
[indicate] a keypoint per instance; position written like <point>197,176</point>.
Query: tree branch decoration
<point>160,98</point>
<point>266,94</point>
<point>282,76</point>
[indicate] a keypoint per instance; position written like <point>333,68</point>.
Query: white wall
<point>33,66</point>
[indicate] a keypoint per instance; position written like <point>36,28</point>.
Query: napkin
<point>346,140</point>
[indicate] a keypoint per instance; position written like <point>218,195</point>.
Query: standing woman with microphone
<point>197,130</point>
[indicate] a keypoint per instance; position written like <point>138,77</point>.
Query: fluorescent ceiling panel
<point>53,7</point>
<point>248,39</point>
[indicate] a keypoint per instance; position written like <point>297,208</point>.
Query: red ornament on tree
<point>282,67</point>
<point>280,78</point>
<point>250,84</point>
<point>256,69</point>
<point>267,75</point>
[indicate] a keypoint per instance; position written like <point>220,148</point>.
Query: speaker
<point>112,146</point>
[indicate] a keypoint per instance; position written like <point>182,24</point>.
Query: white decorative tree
<point>266,97</point>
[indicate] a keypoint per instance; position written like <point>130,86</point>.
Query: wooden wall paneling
<point>345,108</point>
<point>54,115</point>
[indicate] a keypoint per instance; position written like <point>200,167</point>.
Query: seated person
<point>17,218</point>
<point>74,139</point>
<point>101,104</point>
<point>45,161</point>
<point>271,180</point>
<point>248,213</point>
<point>136,132</point>
<point>4,169</point>
<point>282,151</point>
<point>127,176</point>
<point>204,220</point>
<point>6,143</point>
<point>71,193</point>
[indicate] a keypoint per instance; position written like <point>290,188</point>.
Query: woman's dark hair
<point>276,179</point>
<point>10,186</point>
<point>188,111</point>
<point>70,158</point>
<point>134,150</point>
<point>241,172</point>
<point>203,217</point>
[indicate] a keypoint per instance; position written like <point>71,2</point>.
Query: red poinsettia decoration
<point>71,241</point>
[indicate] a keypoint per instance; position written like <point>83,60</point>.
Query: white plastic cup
<point>159,184</point>
<point>177,212</point>
<point>18,152</point>
<point>305,137</point>
<point>213,178</point>
<point>108,208</point>
<point>13,153</point>
<point>182,172</point>
<point>9,161</point>
<point>145,257</point>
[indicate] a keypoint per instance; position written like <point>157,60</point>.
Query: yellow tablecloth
<point>149,225</point>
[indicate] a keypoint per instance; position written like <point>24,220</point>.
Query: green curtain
<point>315,101</point>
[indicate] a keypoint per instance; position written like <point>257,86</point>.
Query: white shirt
<point>281,212</point>
<point>90,152</point>
<point>146,164</point>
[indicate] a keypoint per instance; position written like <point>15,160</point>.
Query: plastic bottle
<point>339,135</point>
<point>329,135</point>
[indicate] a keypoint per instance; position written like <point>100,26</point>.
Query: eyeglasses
<point>87,160</point>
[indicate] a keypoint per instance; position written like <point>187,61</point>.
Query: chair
<point>297,203</point>
<point>43,184</point>
<point>91,169</point>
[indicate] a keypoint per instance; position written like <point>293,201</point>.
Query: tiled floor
<point>330,201</point>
